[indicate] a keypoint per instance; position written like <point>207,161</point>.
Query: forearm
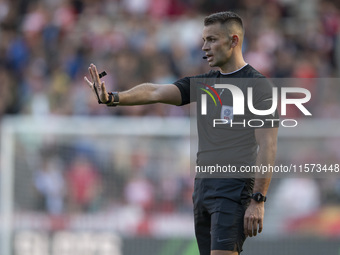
<point>148,93</point>
<point>138,95</point>
<point>262,184</point>
<point>265,157</point>
<point>253,217</point>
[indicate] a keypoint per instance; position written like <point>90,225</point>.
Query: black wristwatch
<point>259,197</point>
<point>113,99</point>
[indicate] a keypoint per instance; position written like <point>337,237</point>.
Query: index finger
<point>260,225</point>
<point>254,230</point>
<point>91,74</point>
<point>250,226</point>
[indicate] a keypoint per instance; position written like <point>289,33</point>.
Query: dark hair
<point>223,18</point>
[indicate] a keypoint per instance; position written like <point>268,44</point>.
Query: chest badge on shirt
<point>227,112</point>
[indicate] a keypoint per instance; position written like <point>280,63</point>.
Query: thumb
<point>103,87</point>
<point>103,95</point>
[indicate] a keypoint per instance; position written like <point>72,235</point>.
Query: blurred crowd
<point>46,47</point>
<point>78,178</point>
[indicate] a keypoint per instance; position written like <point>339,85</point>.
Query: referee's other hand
<point>253,218</point>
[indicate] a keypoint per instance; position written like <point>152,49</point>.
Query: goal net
<point>121,186</point>
<point>82,185</point>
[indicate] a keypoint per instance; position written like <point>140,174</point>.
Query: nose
<point>205,46</point>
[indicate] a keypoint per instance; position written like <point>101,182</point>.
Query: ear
<point>234,41</point>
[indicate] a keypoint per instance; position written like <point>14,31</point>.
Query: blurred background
<point>83,184</point>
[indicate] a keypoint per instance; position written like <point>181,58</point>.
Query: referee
<point>226,210</point>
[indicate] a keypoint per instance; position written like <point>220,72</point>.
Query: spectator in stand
<point>50,184</point>
<point>84,185</point>
<point>60,37</point>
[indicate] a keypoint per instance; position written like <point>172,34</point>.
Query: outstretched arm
<point>146,93</point>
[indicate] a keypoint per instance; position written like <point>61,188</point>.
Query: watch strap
<point>259,197</point>
<point>113,99</point>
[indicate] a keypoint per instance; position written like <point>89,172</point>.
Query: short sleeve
<point>184,87</point>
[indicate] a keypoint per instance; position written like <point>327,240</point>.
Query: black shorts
<point>219,207</point>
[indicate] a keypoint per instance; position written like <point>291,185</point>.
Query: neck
<point>234,64</point>
<point>232,70</point>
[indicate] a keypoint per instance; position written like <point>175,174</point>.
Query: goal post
<point>6,181</point>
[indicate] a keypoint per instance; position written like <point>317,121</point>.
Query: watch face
<point>258,197</point>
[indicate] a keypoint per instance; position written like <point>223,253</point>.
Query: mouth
<point>209,57</point>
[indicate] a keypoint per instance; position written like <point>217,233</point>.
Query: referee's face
<point>216,45</point>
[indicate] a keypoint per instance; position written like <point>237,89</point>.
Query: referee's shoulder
<point>251,72</point>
